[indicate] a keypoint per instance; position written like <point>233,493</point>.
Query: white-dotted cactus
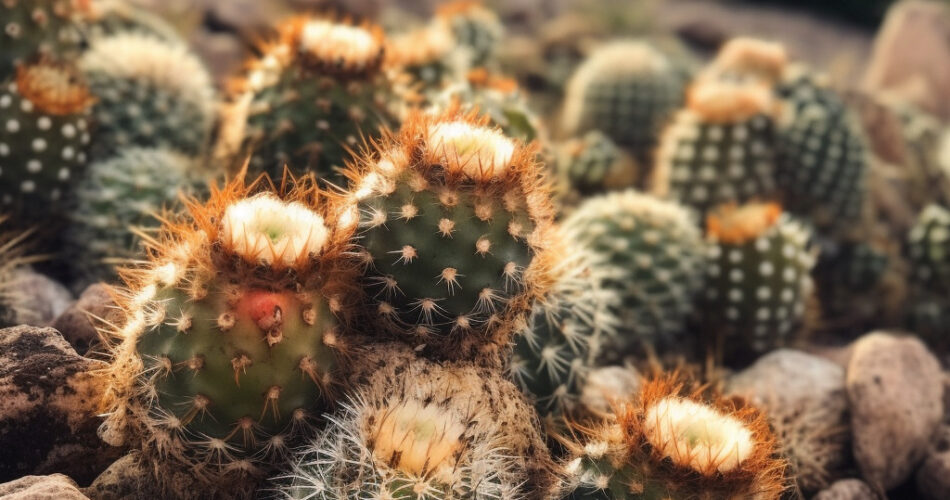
<point>928,249</point>
<point>35,29</point>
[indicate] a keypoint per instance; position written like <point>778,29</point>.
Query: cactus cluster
<point>675,444</point>
<point>454,220</point>
<point>311,99</point>
<point>758,278</point>
<point>231,333</point>
<point>655,253</point>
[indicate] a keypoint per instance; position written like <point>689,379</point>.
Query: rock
<point>933,477</point>
<point>128,477</point>
<point>807,404</point>
<point>911,56</point>
<point>608,384</point>
<point>895,387</point>
<point>78,323</point>
<point>49,401</point>
<point>847,489</point>
<point>46,298</point>
<point>54,487</point>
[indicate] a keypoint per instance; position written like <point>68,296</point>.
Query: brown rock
<point>911,56</point>
<point>54,487</point>
<point>848,489</point>
<point>49,401</point>
<point>78,323</point>
<point>128,477</point>
<point>933,476</point>
<point>895,387</point>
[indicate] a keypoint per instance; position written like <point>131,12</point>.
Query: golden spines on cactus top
<point>744,57</point>
<point>230,341</point>
<point>676,443</point>
<point>453,219</point>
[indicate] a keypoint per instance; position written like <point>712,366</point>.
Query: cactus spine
<point>230,339</point>
<point>454,225</point>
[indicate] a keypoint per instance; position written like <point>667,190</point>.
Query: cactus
<point>229,343</point>
<point>720,148</point>
<point>309,100</point>
<point>151,94</point>
<point>14,310</point>
<point>117,194</point>
<point>35,28</point>
<point>656,252</point>
<point>749,58</point>
<point>44,134</point>
<point>823,159</point>
<point>105,18</point>
<point>676,445</point>
<point>420,430</point>
<point>496,97</point>
<point>627,90</point>
<point>476,29</point>
<point>929,275</point>
<point>425,61</point>
<point>758,281</point>
<point>593,164</point>
<point>562,339</point>
<point>454,224</point>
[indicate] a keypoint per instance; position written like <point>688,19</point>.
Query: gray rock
<point>848,489</point>
<point>49,401</point>
<point>933,476</point>
<point>807,404</point>
<point>45,298</point>
<point>54,487</point>
<point>608,384</point>
<point>78,323</point>
<point>895,387</point>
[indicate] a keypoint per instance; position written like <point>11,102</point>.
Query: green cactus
<point>35,28</point>
<point>593,164</point>
<point>628,90</point>
<point>476,29</point>
<point>454,224</point>
<point>499,99</point>
<point>105,18</point>
<point>929,270</point>
<point>676,446</point>
<point>151,93</point>
<point>758,281</point>
<point>720,149</point>
<point>823,159</point>
<point>425,431</point>
<point>230,340</point>
<point>562,340</point>
<point>44,135</point>
<point>656,252</point>
<point>121,193</point>
<point>312,99</point>
<point>923,138</point>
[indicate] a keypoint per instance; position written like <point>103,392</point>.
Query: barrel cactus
<point>116,196</point>
<point>230,340</point>
<point>593,164</point>
<point>720,148</point>
<point>758,279</point>
<point>476,29</point>
<point>44,136</point>
<point>627,90</point>
<point>929,263</point>
<point>673,443</point>
<point>310,100</point>
<point>35,28</point>
<point>655,251</point>
<point>454,221</point>
<point>425,61</point>
<point>420,430</point>
<point>749,58</point>
<point>151,93</point>
<point>497,97</point>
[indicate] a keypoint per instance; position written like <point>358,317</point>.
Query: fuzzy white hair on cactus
<point>329,41</point>
<point>481,153</point>
<point>697,436</point>
<point>267,229</point>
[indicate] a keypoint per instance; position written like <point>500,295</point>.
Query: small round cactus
<point>749,58</point>
<point>720,148</point>
<point>151,93</point>
<point>425,61</point>
<point>230,340</point>
<point>35,28</point>
<point>655,253</point>
<point>425,431</point>
<point>928,252</point>
<point>498,98</point>
<point>309,100</point>
<point>476,29</point>
<point>593,164</point>
<point>674,444</point>
<point>758,281</point>
<point>44,135</point>
<point>627,90</point>
<point>823,162</point>
<point>105,18</point>
<point>454,221</point>
<point>119,194</point>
